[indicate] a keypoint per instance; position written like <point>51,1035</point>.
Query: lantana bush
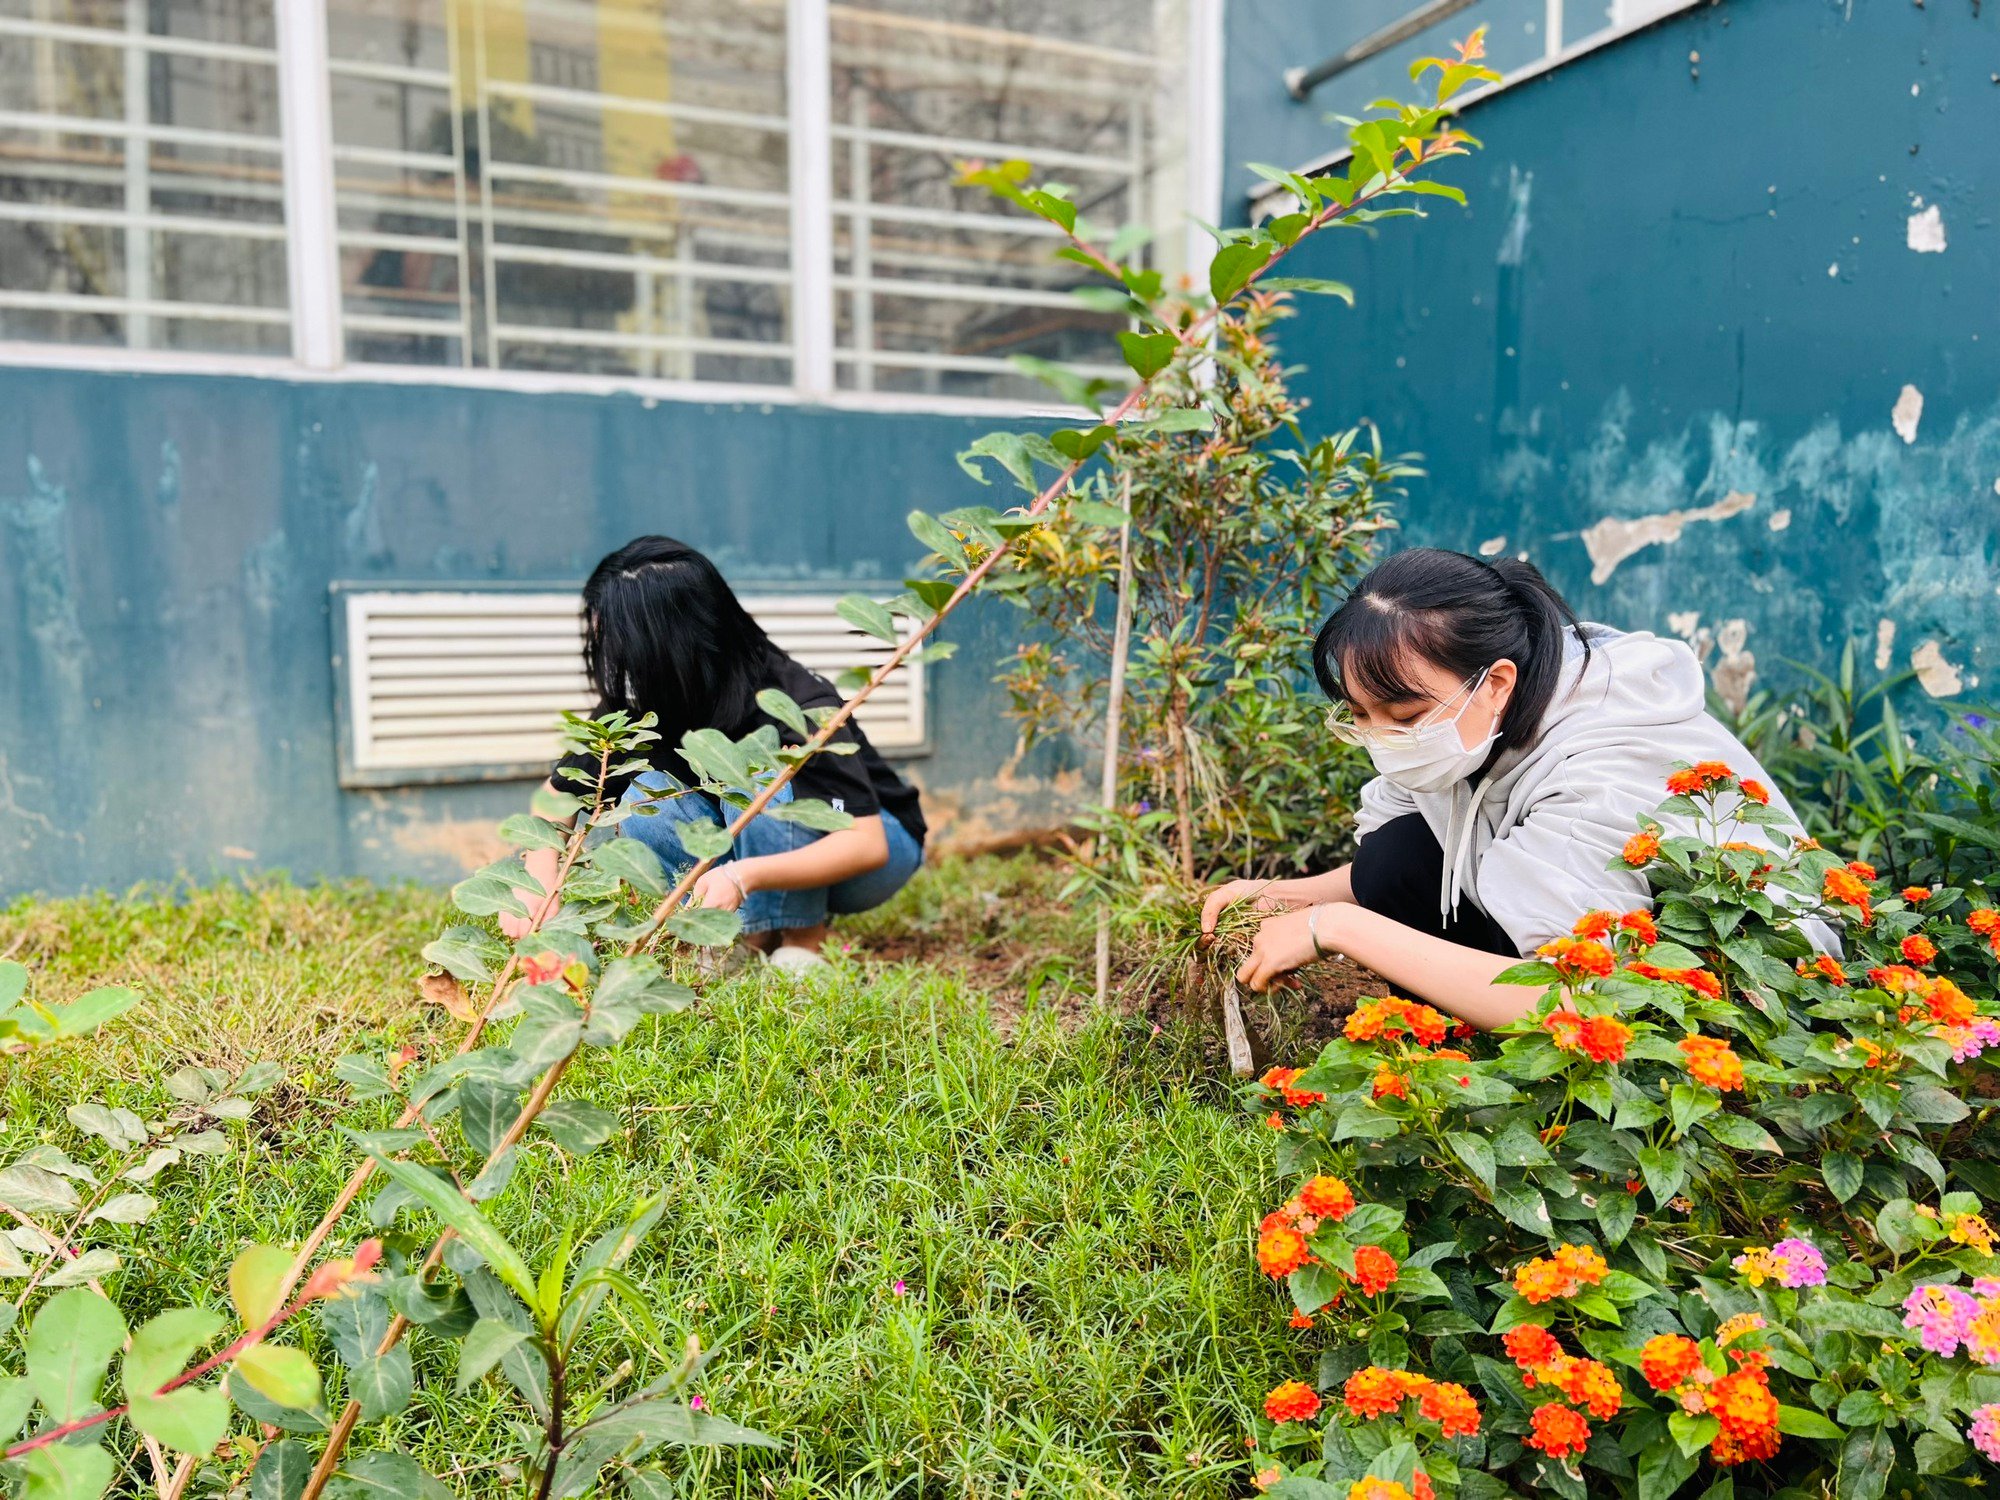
<point>1708,1219</point>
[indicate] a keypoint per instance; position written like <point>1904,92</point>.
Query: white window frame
<point>313,252</point>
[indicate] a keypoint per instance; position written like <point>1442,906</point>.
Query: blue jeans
<point>767,911</point>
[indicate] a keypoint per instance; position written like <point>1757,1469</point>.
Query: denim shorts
<point>768,911</point>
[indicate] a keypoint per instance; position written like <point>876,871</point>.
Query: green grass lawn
<point>1068,1208</point>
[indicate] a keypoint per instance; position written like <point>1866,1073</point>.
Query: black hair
<point>664,634</point>
<point>1459,613</point>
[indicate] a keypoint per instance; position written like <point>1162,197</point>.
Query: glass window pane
<point>141,185</point>
<point>936,285</point>
<point>565,185</point>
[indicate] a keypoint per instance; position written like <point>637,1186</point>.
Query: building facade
<point>338,338</point>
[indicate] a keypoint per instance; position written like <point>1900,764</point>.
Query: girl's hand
<point>1229,893</point>
<point>1283,943</point>
<point>719,888</point>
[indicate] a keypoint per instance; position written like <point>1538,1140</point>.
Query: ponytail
<point>1458,613</point>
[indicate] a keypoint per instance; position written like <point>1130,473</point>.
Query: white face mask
<point>1427,757</point>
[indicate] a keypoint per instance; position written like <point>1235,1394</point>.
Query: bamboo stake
<point>1114,717</point>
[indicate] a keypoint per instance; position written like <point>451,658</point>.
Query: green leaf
<point>384,1476</point>
<point>705,926</point>
<point>1664,1468</point>
<point>780,705</point>
<point>1233,266</point>
<point>69,1345</point>
<point>1522,1205</point>
<point>35,1190</point>
<point>1664,1170</point>
<point>1616,1210</point>
<point>256,1283</point>
<point>472,1226</point>
<point>1148,353</point>
<point>935,535</point>
<point>119,1128</point>
<point>1742,1133</point>
<point>382,1384</point>
<point>1866,1460</point>
<point>1841,1173</point>
<point>86,1013</point>
<point>281,1472</point>
<point>1077,444</point>
<point>17,1398</point>
<point>484,1348</point>
<point>638,1427</point>
<point>869,616</point>
<point>526,831</point>
<point>1312,286</point>
<point>634,863</point>
<point>68,1471</point>
<point>187,1420</point>
<point>486,1111</point>
<point>281,1374</point>
<point>577,1127</point>
<point>1799,1422</point>
<point>1474,1151</point>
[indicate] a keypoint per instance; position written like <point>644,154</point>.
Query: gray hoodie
<point>1531,843</point>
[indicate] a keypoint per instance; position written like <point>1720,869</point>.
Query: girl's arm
<point>544,865</point>
<point>1454,978</point>
<point>855,850</point>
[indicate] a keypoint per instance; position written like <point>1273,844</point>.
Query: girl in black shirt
<point>663,634</point>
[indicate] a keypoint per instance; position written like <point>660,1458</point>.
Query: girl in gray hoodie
<point>1518,748</point>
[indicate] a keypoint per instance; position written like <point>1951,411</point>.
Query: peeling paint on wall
<point>1493,546</point>
<point>1683,623</point>
<point>1514,240</point>
<point>1909,411</point>
<point>1938,677</point>
<point>1780,519</point>
<point>1735,670</point>
<point>1885,644</point>
<point>1926,231</point>
<point>1616,538</point>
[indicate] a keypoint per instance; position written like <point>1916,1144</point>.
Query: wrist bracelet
<point>1312,931</point>
<point>735,880</point>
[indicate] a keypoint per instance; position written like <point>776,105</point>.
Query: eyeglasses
<point>1340,719</point>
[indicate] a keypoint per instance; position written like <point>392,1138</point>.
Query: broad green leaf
<point>869,616</point>
<point>1474,1151</point>
<point>34,1190</point>
<point>486,1111</point>
<point>119,1128</point>
<point>256,1283</point>
<point>484,1348</point>
<point>93,1265</point>
<point>68,1471</point>
<point>705,926</point>
<point>935,535</point>
<point>384,1476</point>
<point>781,707</point>
<point>281,1472</point>
<point>86,1013</point>
<point>17,1397</point>
<point>382,1384</point>
<point>280,1373</point>
<point>68,1347</point>
<point>526,831</point>
<point>1077,444</point>
<point>1148,353</point>
<point>1867,1459</point>
<point>1616,1209</point>
<point>13,983</point>
<point>1232,267</point>
<point>810,812</point>
<point>579,1128</point>
<point>631,861</point>
<point>472,1226</point>
<point>1841,1173</point>
<point>1664,1468</point>
<point>161,1348</point>
<point>1742,1133</point>
<point>1799,1422</point>
<point>1522,1205</point>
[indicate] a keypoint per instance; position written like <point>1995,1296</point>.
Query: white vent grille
<point>474,682</point>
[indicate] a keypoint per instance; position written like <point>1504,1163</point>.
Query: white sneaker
<point>789,958</point>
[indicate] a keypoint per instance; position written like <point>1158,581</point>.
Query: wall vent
<point>467,685</point>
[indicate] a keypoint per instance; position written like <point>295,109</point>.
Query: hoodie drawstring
<point>1458,839</point>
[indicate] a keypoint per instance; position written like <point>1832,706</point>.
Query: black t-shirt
<point>861,784</point>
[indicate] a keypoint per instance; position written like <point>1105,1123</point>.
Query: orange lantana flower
<point>1642,927</point>
<point>1373,1392</point>
<point>1530,1346</point>
<point>1594,924</point>
<point>1604,1039</point>
<point>1375,1269</point>
<point>1327,1198</point>
<point>1755,791</point>
<point>1294,1401</point>
<point>1845,888</point>
<point>1559,1431</point>
<point>1451,1407</point>
<point>1281,1250</point>
<point>1642,848</point>
<point>1918,949</point>
<point>1578,958</point>
<point>1668,1359</point>
<point>1711,1061</point>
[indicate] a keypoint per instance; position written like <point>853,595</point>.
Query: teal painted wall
<point>1678,282</point>
<point>166,543</point>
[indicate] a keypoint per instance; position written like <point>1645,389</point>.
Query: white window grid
<point>305,159</point>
